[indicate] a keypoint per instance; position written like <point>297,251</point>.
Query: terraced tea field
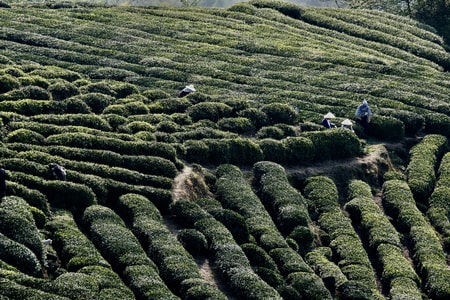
<point>235,191</point>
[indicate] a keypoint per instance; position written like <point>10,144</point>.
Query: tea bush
<point>386,128</point>
<point>25,136</point>
<point>17,223</point>
<point>213,111</point>
<point>19,256</point>
<point>423,159</point>
<point>76,250</point>
<point>334,144</point>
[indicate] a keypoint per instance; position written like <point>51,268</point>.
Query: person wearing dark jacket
<point>363,114</point>
<point>326,122</point>
<point>59,172</point>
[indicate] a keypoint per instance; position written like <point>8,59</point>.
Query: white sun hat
<point>329,115</point>
<point>347,122</point>
<point>189,88</point>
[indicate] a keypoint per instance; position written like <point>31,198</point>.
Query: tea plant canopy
<point>233,190</point>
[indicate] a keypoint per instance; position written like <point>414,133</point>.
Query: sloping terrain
<point>234,191</point>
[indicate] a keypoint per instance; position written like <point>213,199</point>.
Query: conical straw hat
<point>329,116</point>
<point>347,122</point>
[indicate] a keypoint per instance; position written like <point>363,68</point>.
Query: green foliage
<point>21,257</point>
<point>386,128</point>
<point>193,241</point>
<point>420,171</point>
<point>8,83</point>
<point>213,111</point>
<point>280,113</point>
<point>62,89</point>
<point>25,136</point>
<point>334,144</point>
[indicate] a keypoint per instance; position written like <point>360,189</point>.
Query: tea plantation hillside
<point>212,195</point>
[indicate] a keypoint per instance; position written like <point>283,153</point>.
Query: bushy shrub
<point>27,107</point>
<point>213,111</point>
<point>288,262</point>
<point>8,83</point>
<point>35,80</point>
<point>258,257</point>
<point>271,132</point>
<point>187,213</point>
<point>250,286</point>
<point>124,89</point>
<point>110,73</point>
<point>309,285</point>
<point>299,150</point>
<point>19,256</point>
<point>395,265</point>
<point>75,249</point>
<point>256,116</point>
<point>193,241</point>
<point>115,120</point>
<point>136,108</point>
<point>91,141</point>
<point>234,222</point>
<point>30,92</point>
<point>62,89</point>
<point>97,102</point>
<point>352,290</point>
<point>168,126</point>
<point>110,284</point>
<point>437,123</point>
<point>25,136</point>
<point>170,106</point>
<point>386,128</point>
<point>71,106</point>
<point>33,197</point>
<point>76,285</point>
<point>238,125</point>
<point>161,198</point>
<point>304,238</point>
<point>273,150</point>
<point>334,144</point>
<point>413,122</point>
<point>146,283</point>
<point>68,194</point>
<point>330,273</point>
<point>101,87</point>
<point>420,171</point>
<point>196,151</point>
<point>86,120</point>
<point>280,113</point>
<point>17,223</point>
<point>155,94</point>
<point>234,151</point>
<point>135,206</point>
<point>199,289</point>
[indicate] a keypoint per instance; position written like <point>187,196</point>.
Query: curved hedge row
<point>348,249</point>
<point>236,194</point>
<point>123,251</point>
<point>439,201</point>
<point>229,259</point>
<point>423,163</point>
<point>288,206</point>
<point>311,146</point>
<point>175,264</point>
<point>384,240</point>
<point>428,254</point>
